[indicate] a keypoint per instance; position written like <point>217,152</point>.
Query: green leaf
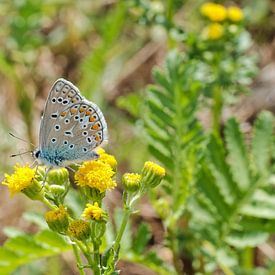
<point>237,154</point>
<point>142,237</point>
<point>262,142</point>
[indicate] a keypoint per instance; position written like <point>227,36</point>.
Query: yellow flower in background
<point>93,211</point>
<point>21,178</point>
<point>154,168</point>
<point>214,31</point>
<point>235,14</point>
<point>214,12</point>
<point>106,158</point>
<point>95,174</point>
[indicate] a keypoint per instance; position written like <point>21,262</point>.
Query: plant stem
<point>78,259</point>
<point>51,206</point>
<point>126,215</point>
<point>216,110</point>
<point>96,259</point>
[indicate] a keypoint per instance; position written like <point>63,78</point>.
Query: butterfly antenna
<point>11,134</point>
<point>20,154</point>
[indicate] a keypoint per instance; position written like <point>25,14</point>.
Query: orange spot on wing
<point>97,138</point>
<point>81,109</point>
<point>73,111</point>
<point>88,113</point>
<point>95,127</point>
<point>92,119</point>
<point>63,114</point>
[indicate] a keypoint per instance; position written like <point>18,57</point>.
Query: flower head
<point>234,14</point>
<point>214,12</point>
<point>21,179</point>
<point>106,158</point>
<point>95,174</point>
<point>93,211</point>
<point>152,173</point>
<point>131,181</point>
<point>79,229</point>
<point>58,220</point>
<point>58,176</point>
<point>214,31</point>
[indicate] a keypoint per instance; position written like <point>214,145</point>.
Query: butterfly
<point>71,127</point>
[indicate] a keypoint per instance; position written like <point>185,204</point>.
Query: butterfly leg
<point>46,174</point>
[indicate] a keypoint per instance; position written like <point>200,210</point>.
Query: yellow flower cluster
<point>106,158</point>
<point>218,13</point>
<point>93,211</point>
<point>21,178</point>
<point>95,174</point>
<point>214,12</point>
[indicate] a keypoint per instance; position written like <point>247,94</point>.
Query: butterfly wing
<point>72,127</point>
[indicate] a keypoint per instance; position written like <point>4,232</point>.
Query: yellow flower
<point>95,174</point>
<point>57,220</point>
<point>106,158</point>
<point>21,178</point>
<point>79,229</point>
<point>214,31</point>
<point>214,12</point>
<point>154,168</point>
<point>93,211</point>
<point>131,181</point>
<point>152,174</point>
<point>234,14</point>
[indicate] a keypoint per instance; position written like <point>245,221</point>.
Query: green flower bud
<point>58,220</point>
<point>131,181</point>
<point>79,230</point>
<point>57,190</point>
<point>58,176</point>
<point>152,174</point>
<point>34,191</point>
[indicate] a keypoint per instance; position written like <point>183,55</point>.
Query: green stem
<point>96,259</point>
<point>248,258</point>
<point>51,206</point>
<point>78,259</point>
<point>126,215</point>
<point>217,109</point>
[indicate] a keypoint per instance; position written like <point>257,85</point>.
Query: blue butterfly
<point>71,127</point>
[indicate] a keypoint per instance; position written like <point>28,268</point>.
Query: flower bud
<point>79,230</point>
<point>34,191</point>
<point>131,181</point>
<point>98,230</point>
<point>58,220</point>
<point>58,176</point>
<point>93,212</point>
<point>57,190</point>
<point>152,174</point>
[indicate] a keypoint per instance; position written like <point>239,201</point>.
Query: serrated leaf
<point>262,142</point>
<point>237,153</point>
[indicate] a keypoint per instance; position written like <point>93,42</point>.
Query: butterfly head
<point>36,153</point>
